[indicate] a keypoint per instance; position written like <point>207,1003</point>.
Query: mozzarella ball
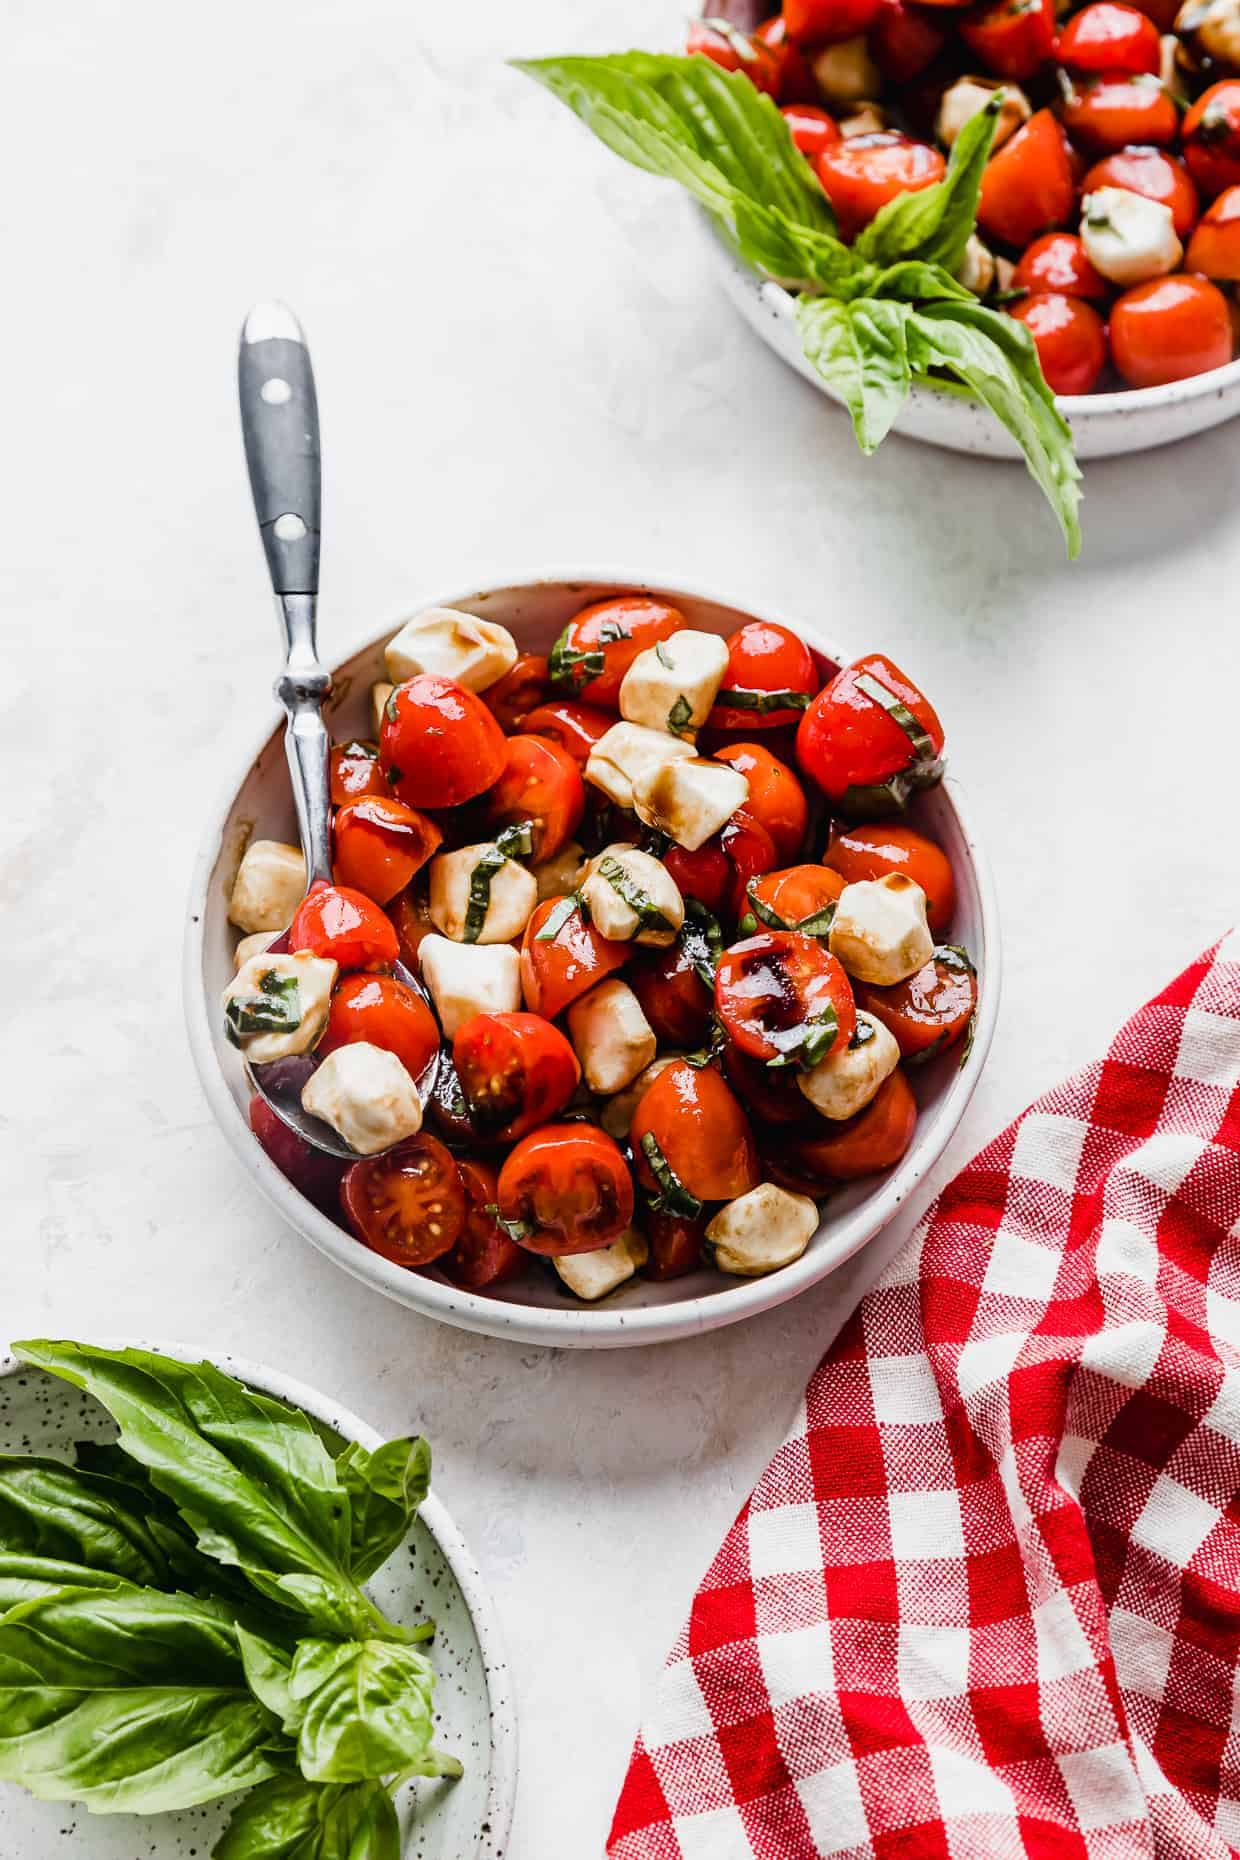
<point>379,695</point>
<point>306,996</point>
<point>762,1230</point>
<point>639,873</point>
<point>1128,238</point>
<point>555,878</point>
<point>593,1275</point>
<point>846,72</point>
<point>968,96</point>
<point>511,898</point>
<point>624,753</point>
<point>689,800</point>
<point>616,1116</point>
<point>864,119</point>
<point>977,268</point>
<point>270,884</point>
<point>672,686</point>
<point>473,653</point>
<point>366,1095</point>
<point>253,946</point>
<point>846,1080</point>
<point>611,1036</point>
<point>879,932</point>
<point>465,979</point>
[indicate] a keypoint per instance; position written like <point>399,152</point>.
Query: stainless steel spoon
<point>280,424</point>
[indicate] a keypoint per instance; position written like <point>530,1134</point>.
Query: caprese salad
<point>678,949</point>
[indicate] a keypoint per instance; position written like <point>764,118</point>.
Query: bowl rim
<point>502,1781</point>
<point>570,1327</point>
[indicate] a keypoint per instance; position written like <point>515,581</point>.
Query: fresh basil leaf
<point>673,1197</point>
<point>761,912</point>
<point>558,916</point>
<point>912,280</point>
<point>861,350</point>
<point>935,223</point>
<point>648,914</point>
<point>680,717</point>
<point>920,740</point>
<point>805,1045</point>
<point>366,1711</point>
<point>662,654</point>
<point>701,938</point>
<point>737,698</point>
<point>291,1819</point>
<point>491,861</point>
<point>275,1008</point>
<point>51,1510</point>
<point>268,1667</point>
<point>385,1490</point>
<point>24,1578</point>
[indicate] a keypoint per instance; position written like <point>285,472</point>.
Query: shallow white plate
<point>1135,420</point>
<point>432,1574</point>
<point>535,1310</point>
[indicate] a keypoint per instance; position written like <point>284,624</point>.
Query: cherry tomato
<point>751,851</point>
<point>379,843</point>
<point>870,737</point>
<point>675,1246</point>
<point>575,727</point>
<point>1111,111</point>
<point>517,1071</point>
<point>1069,336</point>
<point>334,921</point>
<point>735,51</point>
<point>699,1131</point>
<point>794,81</point>
<point>411,919</point>
<point>810,128</point>
<point>541,783</point>
<point>408,1204</point>
<point>355,771</point>
<point>861,175</point>
<point>439,744</point>
<point>1013,38</point>
<point>875,1139</point>
<point>596,649</point>
<point>312,1172</point>
<point>484,1255</point>
<point>1029,186</point>
<point>783,997</point>
<point>706,874</point>
<point>1211,138</point>
<point>1058,261</point>
<point>383,1012</point>
<point>1215,246</point>
<point>795,895</point>
<point>769,1093</point>
<point>1107,36</point>
<point>776,797</point>
<point>569,1188</point>
<point>518,692</point>
<point>673,996</point>
<point>904,40</point>
<point>556,972</point>
<point>449,1107</point>
<point>889,846</point>
<point>1169,329</point>
<point>929,1011</point>
<point>827,21</point>
<point>763,660</point>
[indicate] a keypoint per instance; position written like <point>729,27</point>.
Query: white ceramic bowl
<point>433,1574</point>
<point>258,800</point>
<point>1103,425</point>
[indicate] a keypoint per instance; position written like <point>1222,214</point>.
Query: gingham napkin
<point>985,1600</point>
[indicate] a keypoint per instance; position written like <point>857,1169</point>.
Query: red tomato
<point>888,846</point>
<point>675,1246</point>
<point>313,1173</point>
<point>776,797</point>
<point>1029,185</point>
<point>1069,336</point>
<point>673,996</point>
<point>1211,138</point>
<point>699,1131</point>
<point>1013,38</point>
<point>449,1107</point>
<point>484,1255</point>
<point>875,1139</point>
<point>1058,261</point>
<point>870,737</point>
<point>1169,329</point>
<point>826,21</point>
<point>337,922</point>
<point>811,129</point>
<point>556,971</point>
<point>379,844</point>
<point>783,997</point>
<point>1215,246</point>
<point>569,1188</point>
<point>706,874</point>
<point>517,1071</point>
<point>383,1012</point>
<point>542,784</point>
<point>733,50</point>
<point>518,692</point>
<point>904,40</point>
<point>931,1010</point>
<point>751,850</point>
<point>411,919</point>
<point>794,81</point>
<point>408,1204</point>
<point>1111,111</point>
<point>1109,37</point>
<point>596,649</point>
<point>355,771</point>
<point>439,744</point>
<point>575,727</point>
<point>861,175</point>
<point>769,1093</point>
<point>795,895</point>
<point>764,660</point>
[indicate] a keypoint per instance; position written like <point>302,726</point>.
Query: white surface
<point>521,356</point>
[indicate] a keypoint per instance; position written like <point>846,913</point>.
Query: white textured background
<point>521,365</point>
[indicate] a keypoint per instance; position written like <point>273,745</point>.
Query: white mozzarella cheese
<point>296,987</point>
<point>865,118</point>
<point>366,1095</point>
<point>672,686</point>
<point>968,96</point>
<point>469,978</point>
<point>625,752</point>
<point>556,878</point>
<point>611,1036</point>
<point>689,800</point>
<point>976,270</point>
<point>616,1116</point>
<point>471,652</point>
<point>1212,28</point>
<point>621,872</point>
<point>762,1231</point>
<point>511,899</point>
<point>846,1080</point>
<point>379,695</point>
<point>270,884</point>
<point>846,72</point>
<point>253,945</point>
<point>879,932</point>
<point>593,1275</point>
<point>1127,237</point>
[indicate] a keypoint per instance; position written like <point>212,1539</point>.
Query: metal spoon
<point>280,424</point>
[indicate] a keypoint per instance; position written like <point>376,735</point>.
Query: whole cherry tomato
<point>1107,36</point>
<point>575,727</point>
<point>334,921</point>
<point>411,919</point>
<point>870,737</point>
<point>596,649</point>
<point>674,998</point>
<point>1058,261</point>
<point>861,175</point>
<point>734,50</point>
<point>409,1203</point>
<point>383,1012</point>
<point>557,969</point>
<point>517,1071</point>
<point>1211,138</point>
<point>799,895</point>
<point>776,797</point>
<point>688,1121</point>
<point>818,22</point>
<point>566,1189</point>
<point>1029,186</point>
<point>313,1173</point>
<point>1215,246</point>
<point>518,692</point>
<point>794,81</point>
<point>764,662</point>
<point>889,846</point>
<point>751,851</point>
<point>768,1093</point>
<point>875,1139</point>
<point>484,1255</point>
<point>783,997</point>
<point>1109,112</point>
<point>1013,38</point>
<point>541,783</point>
<point>1069,336</point>
<point>931,1010</point>
<point>439,744</point>
<point>355,771</point>
<point>904,40</point>
<point>675,1246</point>
<point>379,843</point>
<point>810,128</point>
<point>706,874</point>
<point>1169,329</point>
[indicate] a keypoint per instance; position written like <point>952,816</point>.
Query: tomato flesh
<point>383,1012</point>
<point>675,1247</point>
<point>851,744</point>
<point>517,1071</point>
<point>783,997</point>
<point>1028,187</point>
<point>379,843</point>
<point>355,771</point>
<point>484,1255</point>
<point>673,996</point>
<point>776,797</point>
<point>706,874</point>
<point>567,1189</point>
<point>889,846</point>
<point>700,1131</point>
<point>542,784</point>
<point>408,1204</point>
<point>337,922</point>
<point>931,1010</point>
<point>439,744</point>
<point>521,690</point>
<point>556,972</point>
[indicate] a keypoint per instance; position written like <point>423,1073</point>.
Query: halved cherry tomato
<point>783,997</point>
<point>439,744</point>
<point>870,737</point>
<point>875,1139</point>
<point>776,797</point>
<point>673,996</point>
<point>1211,138</point>
<point>355,771</point>
<point>751,851</point>
<point>675,1246</point>
<point>796,895</point>
<point>313,1173</point>
<point>484,1255</point>
<point>904,40</point>
<point>1058,261</point>
<point>556,971</point>
<point>568,1188</point>
<point>450,1108</point>
<point>575,727</point>
<point>596,649</point>
<point>518,692</point>
<point>541,783</point>
<point>889,846</point>
<point>764,660</point>
<point>929,1011</point>
<point>1013,38</point>
<point>1215,246</point>
<point>794,81</point>
<point>859,176</point>
<point>517,1071</point>
<point>1169,329</point>
<point>699,1130</point>
<point>1111,111</point>
<point>827,21</point>
<point>1069,336</point>
<point>1107,36</point>
<point>734,50</point>
<point>771,1094</point>
<point>1029,186</point>
<point>810,128</point>
<point>334,921</point>
<point>411,919</point>
<point>379,843</point>
<point>383,1012</point>
<point>408,1204</point>
<point>706,874</point>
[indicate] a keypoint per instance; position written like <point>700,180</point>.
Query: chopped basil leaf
<point>701,938</point>
<point>649,916</point>
<point>747,924</point>
<point>389,709</point>
<point>761,911</point>
<point>558,916</point>
<point>611,631</point>
<point>954,956</point>
<point>879,800</point>
<point>516,1230</point>
<point>737,698</point>
<point>863,1033</point>
<point>970,1034</point>
<point>711,1050</point>
<point>927,1053</point>
<point>664,657</point>
<point>480,892</point>
<point>680,717</point>
<point>818,922</point>
<point>804,1046</point>
<point>516,840</point>
<point>569,667</point>
<point>673,1197</point>
<point>899,712</point>
<point>276,1008</point>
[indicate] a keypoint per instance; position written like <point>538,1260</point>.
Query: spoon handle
<point>280,424</point>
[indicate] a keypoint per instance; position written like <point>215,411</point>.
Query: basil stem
<point>276,1008</point>
<point>680,717</point>
<point>558,916</point>
<point>804,1046</point>
<point>649,916</point>
<point>673,1197</point>
<point>701,938</point>
<point>664,657</point>
<point>738,698</point>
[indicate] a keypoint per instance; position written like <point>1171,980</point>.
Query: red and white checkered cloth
<point>985,1600</point>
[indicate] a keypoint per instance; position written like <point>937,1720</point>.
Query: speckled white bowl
<point>535,1310</point>
<point>1136,420</point>
<point>433,1574</point>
